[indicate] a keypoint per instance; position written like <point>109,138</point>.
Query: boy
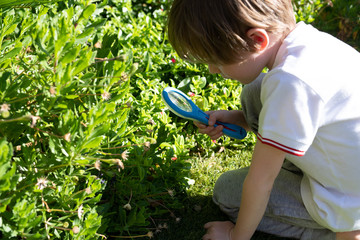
<point>305,109</point>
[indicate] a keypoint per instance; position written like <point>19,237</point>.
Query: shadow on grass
<point>197,211</point>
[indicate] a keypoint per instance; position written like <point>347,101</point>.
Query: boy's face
<point>245,71</point>
<point>251,64</point>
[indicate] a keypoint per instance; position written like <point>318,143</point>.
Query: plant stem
<point>19,119</point>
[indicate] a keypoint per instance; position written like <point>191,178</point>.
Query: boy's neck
<point>275,43</point>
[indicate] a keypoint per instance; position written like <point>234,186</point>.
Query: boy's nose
<point>213,69</point>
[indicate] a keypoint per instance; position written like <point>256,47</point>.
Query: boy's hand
<point>234,117</point>
<point>354,235</point>
<point>213,132</point>
<point>218,230</point>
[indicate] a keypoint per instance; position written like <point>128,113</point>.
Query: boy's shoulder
<point>317,59</point>
<point>307,45</point>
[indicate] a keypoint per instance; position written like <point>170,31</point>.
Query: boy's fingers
<point>208,225</point>
<point>214,137</point>
<point>212,119</point>
<point>199,124</point>
<point>212,132</point>
<point>205,129</point>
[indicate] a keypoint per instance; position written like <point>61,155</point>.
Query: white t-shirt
<point>311,110</point>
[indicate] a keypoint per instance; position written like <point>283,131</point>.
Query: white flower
<point>80,211</point>
<point>4,107</point>
<point>52,91</point>
<point>41,183</point>
<point>171,192</point>
<point>88,190</point>
<point>190,181</point>
<point>97,165</point>
<point>106,95</point>
<point>125,155</point>
<point>76,229</point>
<point>120,164</point>
<point>67,137</point>
<point>150,234</point>
<point>34,119</point>
<point>127,206</point>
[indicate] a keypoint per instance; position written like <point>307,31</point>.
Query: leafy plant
<point>342,19</point>
<point>90,153</point>
<point>307,11</point>
<point>24,3</point>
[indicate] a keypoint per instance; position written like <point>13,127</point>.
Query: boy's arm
<point>265,166</point>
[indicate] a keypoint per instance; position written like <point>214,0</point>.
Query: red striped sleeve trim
<point>280,146</point>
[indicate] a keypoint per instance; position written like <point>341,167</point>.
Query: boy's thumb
<point>212,119</point>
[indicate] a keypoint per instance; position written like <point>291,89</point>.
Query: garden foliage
<point>87,148</point>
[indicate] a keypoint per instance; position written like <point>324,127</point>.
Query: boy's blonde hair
<point>214,31</point>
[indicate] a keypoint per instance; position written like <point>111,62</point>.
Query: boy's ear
<point>260,38</point>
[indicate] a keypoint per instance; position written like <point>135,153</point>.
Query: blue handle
<point>229,129</point>
<point>232,130</point>
<point>197,114</point>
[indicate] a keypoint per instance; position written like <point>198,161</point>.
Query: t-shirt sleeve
<point>291,113</point>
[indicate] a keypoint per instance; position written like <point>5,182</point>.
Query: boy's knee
<point>228,188</point>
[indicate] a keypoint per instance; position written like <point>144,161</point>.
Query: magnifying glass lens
<point>180,101</point>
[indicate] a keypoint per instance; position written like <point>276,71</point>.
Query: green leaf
<point>35,222</point>
<point>202,82</point>
<point>148,61</point>
<point>61,105</point>
<point>140,218</point>
<point>5,159</point>
<point>4,81</point>
<point>184,85</point>
<point>165,144</point>
<point>83,63</point>
<point>5,179</point>
<point>70,55</point>
<point>88,11</point>
<point>93,143</point>
<point>83,37</point>
<point>9,30</point>
<point>100,130</point>
<point>40,45</point>
<point>122,130</point>
<point>14,52</point>
<point>122,116</point>
<point>131,219</point>
<point>71,96</point>
<point>97,24</point>
<point>141,172</point>
<point>4,202</point>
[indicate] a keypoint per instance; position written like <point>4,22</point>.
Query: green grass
<point>198,206</point>
<point>197,211</point>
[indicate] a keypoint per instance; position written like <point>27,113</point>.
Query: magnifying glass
<point>180,104</point>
